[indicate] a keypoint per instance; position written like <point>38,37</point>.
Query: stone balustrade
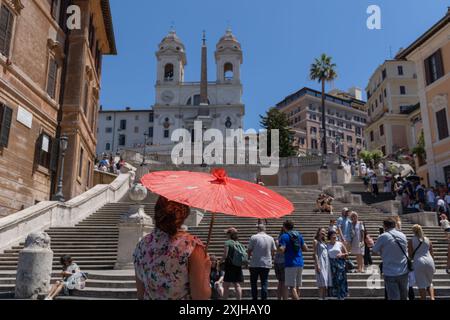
<point>48,214</point>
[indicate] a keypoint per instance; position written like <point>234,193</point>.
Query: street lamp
<point>145,148</point>
<point>63,143</point>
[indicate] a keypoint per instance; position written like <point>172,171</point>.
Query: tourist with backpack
<point>293,246</point>
<point>261,249</point>
<point>235,257</point>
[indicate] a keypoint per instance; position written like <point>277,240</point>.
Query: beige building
<point>345,116</point>
<point>49,85</point>
<point>431,55</point>
<point>391,98</point>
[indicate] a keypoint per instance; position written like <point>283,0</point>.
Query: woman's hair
<point>418,231</point>
<point>318,234</point>
<point>170,215</point>
<point>331,233</point>
<point>65,259</point>
<point>354,214</point>
<point>233,234</point>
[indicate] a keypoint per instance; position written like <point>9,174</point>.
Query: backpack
<point>238,254</point>
<point>295,241</point>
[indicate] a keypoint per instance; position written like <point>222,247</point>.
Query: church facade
<point>217,104</point>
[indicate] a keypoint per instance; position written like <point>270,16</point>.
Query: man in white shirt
<point>261,249</point>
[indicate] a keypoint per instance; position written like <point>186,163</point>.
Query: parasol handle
<point>210,230</point>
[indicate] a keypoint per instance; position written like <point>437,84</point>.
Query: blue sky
<point>280,39</point>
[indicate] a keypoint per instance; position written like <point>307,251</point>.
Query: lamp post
<point>63,143</point>
<point>145,148</point>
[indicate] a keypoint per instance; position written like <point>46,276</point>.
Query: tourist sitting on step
<point>216,278</point>
<point>171,264</point>
<point>72,279</point>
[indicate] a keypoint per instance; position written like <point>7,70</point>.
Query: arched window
<point>194,100</point>
<point>228,71</point>
<point>168,72</point>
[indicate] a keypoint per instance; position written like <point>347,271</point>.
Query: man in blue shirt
<point>392,246</point>
<point>344,226</point>
<point>293,245</point>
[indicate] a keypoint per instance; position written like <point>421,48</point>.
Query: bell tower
<point>229,59</point>
<point>171,56</point>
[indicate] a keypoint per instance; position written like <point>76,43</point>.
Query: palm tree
<point>324,71</point>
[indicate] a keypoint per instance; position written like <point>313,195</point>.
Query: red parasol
<point>218,193</point>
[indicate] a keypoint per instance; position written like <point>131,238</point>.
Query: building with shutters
<point>346,119</point>
<point>49,86</point>
<point>431,55</point>
<point>391,99</point>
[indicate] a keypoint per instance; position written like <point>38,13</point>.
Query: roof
<point>427,35</point>
<point>316,93</point>
<point>107,18</point>
<point>123,111</point>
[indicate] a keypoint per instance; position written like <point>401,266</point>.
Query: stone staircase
<point>93,245</point>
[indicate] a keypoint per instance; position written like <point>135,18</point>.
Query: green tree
<point>323,70</point>
<point>275,119</point>
<point>366,156</point>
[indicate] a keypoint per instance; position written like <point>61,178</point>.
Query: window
<point>92,35</point>
<point>80,163</point>
<point>358,131</point>
<point>6,30</point>
<point>358,141</point>
<point>86,99</point>
<point>331,121</point>
<point>151,117</point>
<point>150,132</point>
<point>168,72</point>
<point>402,90</point>
<point>441,117</point>
<point>349,139</point>
<point>55,8</point>
<point>136,118</point>
<point>382,130</point>
<point>228,72</point>
<point>383,149</point>
<point>385,93</point>
<point>43,150</point>
<point>434,67</point>
<point>349,126</point>
<point>108,130</point>
<point>400,70</point>
<point>108,147</point>
<point>52,78</point>
<point>6,114</point>
<point>123,124</point>
<point>166,134</point>
<point>384,74</point>
<point>108,118</point>
<point>122,140</point>
<point>88,180</point>
<point>313,130</point>
<point>372,137</point>
<point>314,144</point>
<point>136,129</point>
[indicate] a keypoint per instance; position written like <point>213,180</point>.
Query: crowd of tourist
<point>172,264</point>
<point>109,164</point>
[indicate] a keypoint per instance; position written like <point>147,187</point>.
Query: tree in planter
<point>419,150</point>
<point>275,119</point>
<point>366,156</point>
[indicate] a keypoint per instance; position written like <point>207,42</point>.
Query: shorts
<point>233,274</point>
<point>280,271</point>
<point>293,277</point>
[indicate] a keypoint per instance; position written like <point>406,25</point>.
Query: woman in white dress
<point>358,245</point>
<point>421,252</point>
<point>322,263</point>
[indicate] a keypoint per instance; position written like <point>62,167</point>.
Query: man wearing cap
<point>344,226</point>
<point>261,249</point>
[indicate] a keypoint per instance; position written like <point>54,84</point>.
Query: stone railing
<point>48,214</point>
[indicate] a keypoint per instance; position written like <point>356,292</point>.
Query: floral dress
<point>161,263</point>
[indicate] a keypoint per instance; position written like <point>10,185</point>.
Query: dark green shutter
<point>6,28</point>
<point>52,75</point>
<point>5,125</point>
<point>439,64</point>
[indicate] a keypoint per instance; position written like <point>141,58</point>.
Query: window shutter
<point>441,118</point>
<point>5,125</point>
<point>6,28</point>
<point>37,151</point>
<point>439,64</point>
<point>52,75</point>
<point>53,149</point>
<point>427,71</point>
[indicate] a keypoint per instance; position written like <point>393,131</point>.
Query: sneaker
<point>48,298</point>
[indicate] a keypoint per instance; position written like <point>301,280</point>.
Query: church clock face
<point>167,96</point>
